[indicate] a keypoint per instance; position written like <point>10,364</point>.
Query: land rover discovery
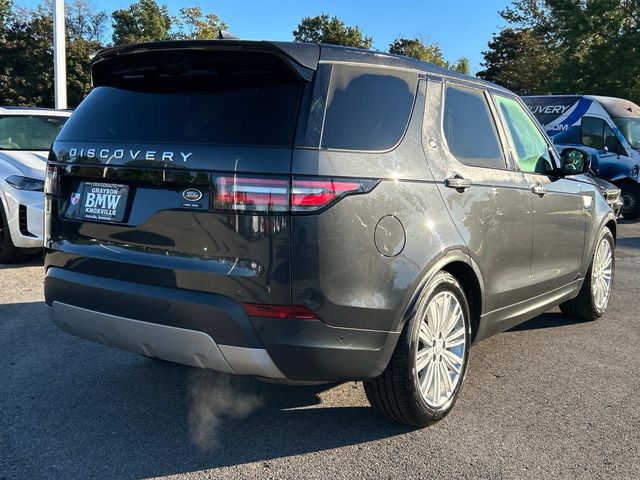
<point>309,213</point>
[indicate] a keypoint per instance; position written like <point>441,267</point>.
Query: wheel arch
<point>459,264</point>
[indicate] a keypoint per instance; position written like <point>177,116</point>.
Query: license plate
<point>105,202</point>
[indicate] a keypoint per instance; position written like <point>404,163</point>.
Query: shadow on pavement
<point>546,320</point>
<point>73,409</point>
<point>30,261</point>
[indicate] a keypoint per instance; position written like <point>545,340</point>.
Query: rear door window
<point>367,108</point>
<point>469,128</point>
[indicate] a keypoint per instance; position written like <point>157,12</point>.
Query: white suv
<point>26,134</point>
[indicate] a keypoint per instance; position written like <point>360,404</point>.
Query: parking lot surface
<point>553,398</point>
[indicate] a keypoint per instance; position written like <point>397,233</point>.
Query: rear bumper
<point>210,331</point>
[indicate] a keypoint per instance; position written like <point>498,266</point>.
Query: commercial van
<point>606,127</point>
<point>314,213</point>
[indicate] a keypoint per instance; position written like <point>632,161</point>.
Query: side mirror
<point>575,161</point>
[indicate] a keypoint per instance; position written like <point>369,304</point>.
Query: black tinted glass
<point>367,108</point>
<point>469,129</point>
<point>258,108</point>
<point>593,132</point>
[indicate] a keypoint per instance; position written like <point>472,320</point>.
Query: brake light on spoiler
<point>252,194</point>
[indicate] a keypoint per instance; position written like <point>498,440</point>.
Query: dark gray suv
<point>314,213</point>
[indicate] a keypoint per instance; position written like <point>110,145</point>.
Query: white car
<point>26,134</point>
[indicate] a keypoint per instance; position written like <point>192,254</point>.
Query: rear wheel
<point>9,253</point>
<point>593,300</point>
<point>421,382</point>
<point>630,201</point>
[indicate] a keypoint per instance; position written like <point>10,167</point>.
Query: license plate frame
<point>103,202</point>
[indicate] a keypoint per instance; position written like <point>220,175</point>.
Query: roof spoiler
<point>301,57</point>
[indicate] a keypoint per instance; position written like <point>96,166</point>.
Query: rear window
<point>226,100</point>
<point>367,108</point>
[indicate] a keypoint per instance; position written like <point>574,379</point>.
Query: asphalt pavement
<point>553,398</point>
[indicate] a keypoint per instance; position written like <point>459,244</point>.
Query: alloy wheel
<point>602,274</point>
<point>440,350</point>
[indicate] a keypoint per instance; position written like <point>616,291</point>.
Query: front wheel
<point>421,382</point>
<point>593,300</point>
<point>630,197</point>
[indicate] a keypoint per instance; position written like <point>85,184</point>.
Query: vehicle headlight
<point>26,183</point>
<point>634,172</point>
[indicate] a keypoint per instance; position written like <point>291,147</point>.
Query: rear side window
<point>469,129</point>
<point>218,100</point>
<point>367,108</point>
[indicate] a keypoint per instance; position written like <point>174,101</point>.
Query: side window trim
<point>445,84</point>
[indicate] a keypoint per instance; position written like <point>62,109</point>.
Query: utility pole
<point>59,56</point>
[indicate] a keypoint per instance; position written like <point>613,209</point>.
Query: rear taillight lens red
<point>250,194</point>
<point>51,180</point>
<point>307,195</point>
<point>296,312</point>
<point>241,193</point>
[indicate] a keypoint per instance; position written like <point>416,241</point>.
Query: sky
<point>460,27</point>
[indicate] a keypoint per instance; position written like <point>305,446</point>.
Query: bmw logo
<point>192,195</point>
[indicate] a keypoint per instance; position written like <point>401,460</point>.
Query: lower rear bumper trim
<point>174,344</point>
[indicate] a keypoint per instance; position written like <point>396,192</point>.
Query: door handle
<point>539,190</point>
<point>457,182</point>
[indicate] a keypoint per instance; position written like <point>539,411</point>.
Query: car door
<point>559,208</point>
<point>487,198</point>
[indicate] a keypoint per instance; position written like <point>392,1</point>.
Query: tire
<point>396,393</point>
<point>587,306</point>
<point>631,201</point>
<point>9,253</point>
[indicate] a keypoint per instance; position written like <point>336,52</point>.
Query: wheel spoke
<point>423,358</point>
<point>446,377</point>
<point>453,357</point>
<point>425,334</point>
<point>455,368</point>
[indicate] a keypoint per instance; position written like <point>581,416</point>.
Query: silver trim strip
<point>174,344</point>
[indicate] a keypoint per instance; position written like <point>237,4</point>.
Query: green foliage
<point>26,40</point>
<point>26,55</point>
<point>331,30</point>
<point>193,23</point>
<point>568,46</point>
<point>416,48</point>
<point>144,21</point>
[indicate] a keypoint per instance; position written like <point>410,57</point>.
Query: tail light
<point>51,180</point>
<point>296,312</point>
<point>276,194</point>
<point>250,194</point>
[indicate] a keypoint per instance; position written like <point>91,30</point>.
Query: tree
<point>144,21</point>
<point>330,30</point>
<point>568,46</point>
<point>520,61</point>
<point>416,48</point>
<point>26,55</point>
<point>192,23</point>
